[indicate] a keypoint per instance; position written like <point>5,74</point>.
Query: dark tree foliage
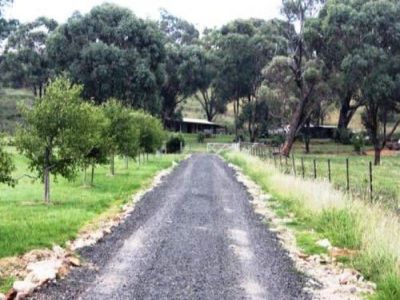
<point>26,62</point>
<point>114,54</point>
<point>177,30</point>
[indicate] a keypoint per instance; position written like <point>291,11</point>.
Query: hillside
<point>9,99</point>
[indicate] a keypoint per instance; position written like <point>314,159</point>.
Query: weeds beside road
<point>322,212</point>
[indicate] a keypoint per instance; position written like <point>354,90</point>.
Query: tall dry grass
<point>345,221</point>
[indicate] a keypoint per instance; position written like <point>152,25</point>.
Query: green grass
<point>6,284</point>
<point>321,212</point>
<point>26,223</point>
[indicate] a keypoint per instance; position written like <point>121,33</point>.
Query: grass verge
<point>26,223</point>
<point>350,223</point>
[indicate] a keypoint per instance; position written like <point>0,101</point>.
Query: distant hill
<point>9,115</point>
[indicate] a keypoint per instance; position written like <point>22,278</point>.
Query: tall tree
<point>26,62</point>
<point>200,70</point>
<point>114,54</point>
<point>304,68</point>
<point>333,36</point>
<point>245,47</point>
<point>374,65</point>
<point>180,37</point>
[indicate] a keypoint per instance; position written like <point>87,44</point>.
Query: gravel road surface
<point>195,236</point>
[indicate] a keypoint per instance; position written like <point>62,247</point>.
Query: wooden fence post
<point>294,165</point>
<point>347,174</point>
<point>315,168</point>
<point>302,166</point>
<point>329,170</point>
<point>370,181</point>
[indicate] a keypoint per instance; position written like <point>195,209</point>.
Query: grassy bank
<point>321,211</point>
<point>26,223</point>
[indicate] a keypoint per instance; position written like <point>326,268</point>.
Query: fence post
<point>275,161</point>
<point>347,174</point>
<point>302,166</point>
<point>370,181</point>
<point>294,165</point>
<point>315,168</point>
<point>280,162</point>
<point>329,170</point>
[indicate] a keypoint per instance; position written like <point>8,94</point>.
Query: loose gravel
<point>195,236</point>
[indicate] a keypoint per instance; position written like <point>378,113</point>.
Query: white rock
<point>324,244</point>
<point>43,270</point>
<point>58,251</point>
<point>2,296</point>
<point>24,286</point>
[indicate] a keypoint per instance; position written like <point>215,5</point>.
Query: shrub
<point>343,136</point>
<point>174,143</point>
<point>277,140</point>
<point>358,142</point>
<point>201,137</point>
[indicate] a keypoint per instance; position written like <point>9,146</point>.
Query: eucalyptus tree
<point>333,35</point>
<point>26,62</point>
<point>114,54</point>
<point>57,132</point>
<point>304,71</point>
<point>180,36</point>
<point>200,70</point>
<point>6,26</point>
<point>374,64</point>
<point>245,47</point>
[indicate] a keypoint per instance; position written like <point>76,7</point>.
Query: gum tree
<point>56,133</point>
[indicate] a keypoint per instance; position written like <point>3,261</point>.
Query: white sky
<point>202,13</point>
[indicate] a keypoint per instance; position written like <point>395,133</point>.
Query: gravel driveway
<point>195,236</point>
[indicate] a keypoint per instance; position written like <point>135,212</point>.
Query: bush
<point>174,143</point>
<point>277,140</point>
<point>201,137</point>
<point>358,142</point>
<point>343,136</point>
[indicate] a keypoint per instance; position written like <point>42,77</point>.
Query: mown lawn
<point>26,223</point>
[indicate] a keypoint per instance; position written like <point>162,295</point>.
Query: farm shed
<point>315,132</point>
<point>188,125</point>
<point>320,132</point>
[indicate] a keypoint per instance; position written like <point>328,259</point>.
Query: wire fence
<point>339,173</point>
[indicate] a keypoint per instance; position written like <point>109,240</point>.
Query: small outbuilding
<point>189,125</point>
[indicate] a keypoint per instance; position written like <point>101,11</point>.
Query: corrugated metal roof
<point>198,121</point>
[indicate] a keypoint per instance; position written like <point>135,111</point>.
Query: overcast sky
<point>202,13</point>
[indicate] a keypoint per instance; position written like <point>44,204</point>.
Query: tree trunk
<point>47,186</point>
<point>378,151</point>
<point>307,137</point>
<point>112,167</point>
<point>346,112</point>
<point>126,162</point>
<point>235,112</point>
<point>46,175</point>
<point>92,176</point>
<point>294,124</point>
<point>85,176</point>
